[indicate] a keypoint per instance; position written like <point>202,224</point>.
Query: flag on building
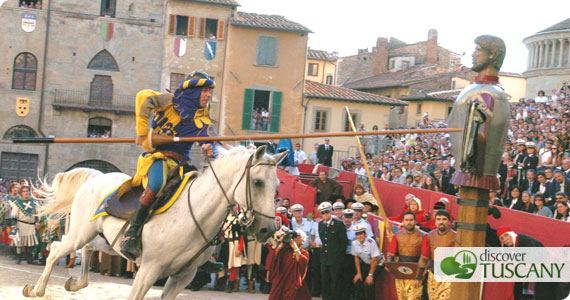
<point>107,31</point>
<point>180,46</point>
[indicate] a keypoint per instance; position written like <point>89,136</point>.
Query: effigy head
<point>490,51</point>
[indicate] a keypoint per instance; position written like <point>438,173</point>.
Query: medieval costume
<point>407,245</point>
<point>5,228</point>
<point>236,252</point>
<point>287,275</point>
<point>177,115</point>
<point>436,290</point>
<point>24,210</point>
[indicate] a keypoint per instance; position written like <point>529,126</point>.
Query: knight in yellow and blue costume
<point>183,113</point>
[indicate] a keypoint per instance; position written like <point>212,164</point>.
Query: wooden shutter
<point>202,32</point>
<point>271,50</point>
<point>261,49</point>
<point>172,24</point>
<point>191,26</point>
<point>247,109</point>
<point>221,29</point>
<point>275,111</point>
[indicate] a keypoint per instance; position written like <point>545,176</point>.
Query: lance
<point>161,139</point>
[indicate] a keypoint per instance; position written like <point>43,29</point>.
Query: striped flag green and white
<point>107,31</point>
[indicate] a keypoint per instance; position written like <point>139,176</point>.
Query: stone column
<point>529,56</point>
<point>540,54</point>
<point>561,51</point>
<point>552,53</point>
<point>535,55</point>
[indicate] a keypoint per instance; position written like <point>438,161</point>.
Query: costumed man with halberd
<point>24,211</point>
<point>182,114</point>
<point>407,246</point>
<point>443,236</point>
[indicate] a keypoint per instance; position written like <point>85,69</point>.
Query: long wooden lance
<point>161,139</point>
<point>370,178</point>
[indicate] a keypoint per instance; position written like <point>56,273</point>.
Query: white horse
<point>172,244</point>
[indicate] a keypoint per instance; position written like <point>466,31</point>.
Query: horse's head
<point>261,176</point>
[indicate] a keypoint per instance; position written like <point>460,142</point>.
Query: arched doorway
<point>100,165</point>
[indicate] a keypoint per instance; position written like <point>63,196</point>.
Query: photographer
<point>289,268</point>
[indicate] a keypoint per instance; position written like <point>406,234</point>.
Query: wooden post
<point>471,231</point>
<point>370,178</point>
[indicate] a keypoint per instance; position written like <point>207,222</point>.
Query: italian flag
<point>107,31</point>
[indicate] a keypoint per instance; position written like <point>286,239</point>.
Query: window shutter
<point>221,29</point>
<point>202,32</point>
<point>271,56</point>
<point>275,111</point>
<point>172,24</point>
<point>191,25</point>
<point>247,109</point>
<point>260,50</point>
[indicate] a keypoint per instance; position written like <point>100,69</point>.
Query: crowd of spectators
<point>100,134</point>
<point>31,4</point>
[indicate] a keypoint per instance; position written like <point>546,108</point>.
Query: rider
<point>182,114</point>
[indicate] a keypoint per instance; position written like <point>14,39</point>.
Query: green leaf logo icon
<point>463,264</point>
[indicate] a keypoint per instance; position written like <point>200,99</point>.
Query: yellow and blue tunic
<point>176,115</point>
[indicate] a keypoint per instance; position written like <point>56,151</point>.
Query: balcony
<point>80,100</point>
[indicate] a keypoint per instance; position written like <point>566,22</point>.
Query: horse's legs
<point>73,285</point>
<point>58,251</point>
<point>146,277</point>
<point>175,284</point>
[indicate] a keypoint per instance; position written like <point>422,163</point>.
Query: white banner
<point>507,264</point>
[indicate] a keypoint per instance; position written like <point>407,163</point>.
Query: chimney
<point>431,51</point>
<point>381,56</point>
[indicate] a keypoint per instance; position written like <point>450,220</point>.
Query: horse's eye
<point>258,183</point>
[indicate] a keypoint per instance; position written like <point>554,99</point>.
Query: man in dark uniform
<point>332,233</point>
<point>508,238</point>
<point>325,153</point>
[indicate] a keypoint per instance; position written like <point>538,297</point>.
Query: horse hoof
<point>68,284</point>
<point>28,291</point>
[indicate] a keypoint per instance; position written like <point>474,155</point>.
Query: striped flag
<point>179,46</point>
<point>107,31</point>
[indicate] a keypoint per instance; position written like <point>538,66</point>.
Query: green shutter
<point>275,111</point>
<point>247,109</point>
<point>271,51</point>
<point>261,50</point>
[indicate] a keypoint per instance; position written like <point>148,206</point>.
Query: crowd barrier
<point>545,230</point>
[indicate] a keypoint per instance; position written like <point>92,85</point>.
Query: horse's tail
<point>56,198</point>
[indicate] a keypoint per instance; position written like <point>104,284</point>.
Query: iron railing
<point>81,98</point>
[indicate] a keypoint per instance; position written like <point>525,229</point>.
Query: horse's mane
<point>57,197</point>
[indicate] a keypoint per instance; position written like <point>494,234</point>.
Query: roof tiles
<point>325,91</point>
<point>267,21</point>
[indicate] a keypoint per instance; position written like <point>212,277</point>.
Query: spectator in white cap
<point>338,207</point>
<point>348,269</point>
<point>333,236</point>
<point>357,220</point>
<point>301,224</point>
<point>366,258</point>
<point>282,210</point>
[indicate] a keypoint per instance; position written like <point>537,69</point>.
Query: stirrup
<point>131,251</point>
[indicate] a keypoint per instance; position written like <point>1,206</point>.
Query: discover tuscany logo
<point>496,264</point>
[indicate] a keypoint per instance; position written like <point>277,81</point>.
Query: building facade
<point>264,74</point>
<point>548,60</point>
<point>322,66</point>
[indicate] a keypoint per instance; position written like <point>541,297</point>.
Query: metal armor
<point>483,111</point>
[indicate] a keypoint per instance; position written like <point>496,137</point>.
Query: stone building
<point>395,55</point>
<point>264,75</point>
<point>73,69</point>
<point>548,63</point>
<point>322,66</point>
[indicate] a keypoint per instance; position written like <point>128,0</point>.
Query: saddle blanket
<point>127,187</point>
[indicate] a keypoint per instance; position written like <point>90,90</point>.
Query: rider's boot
<point>131,246</point>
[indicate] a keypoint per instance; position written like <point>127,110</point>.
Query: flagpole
<point>370,178</point>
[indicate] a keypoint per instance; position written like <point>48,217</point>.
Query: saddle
<point>124,205</point>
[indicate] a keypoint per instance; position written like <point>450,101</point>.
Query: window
<point>181,25</point>
<point>266,51</point>
<point>99,127</point>
<point>313,70</point>
<point>25,68</point>
<point>261,110</point>
<point>453,84</point>
<point>101,92</point>
<point>175,80</point>
<point>108,8</point>
<point>347,121</point>
<point>329,79</point>
<point>392,64</point>
<point>19,131</point>
<point>103,61</point>
<point>449,110</point>
<point>16,166</point>
<point>211,28</point>
<point>419,111</point>
<point>100,165</point>
<point>321,117</point>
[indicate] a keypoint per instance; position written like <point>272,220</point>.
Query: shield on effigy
<point>402,270</point>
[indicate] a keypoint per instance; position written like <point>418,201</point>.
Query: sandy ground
<point>14,277</point>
